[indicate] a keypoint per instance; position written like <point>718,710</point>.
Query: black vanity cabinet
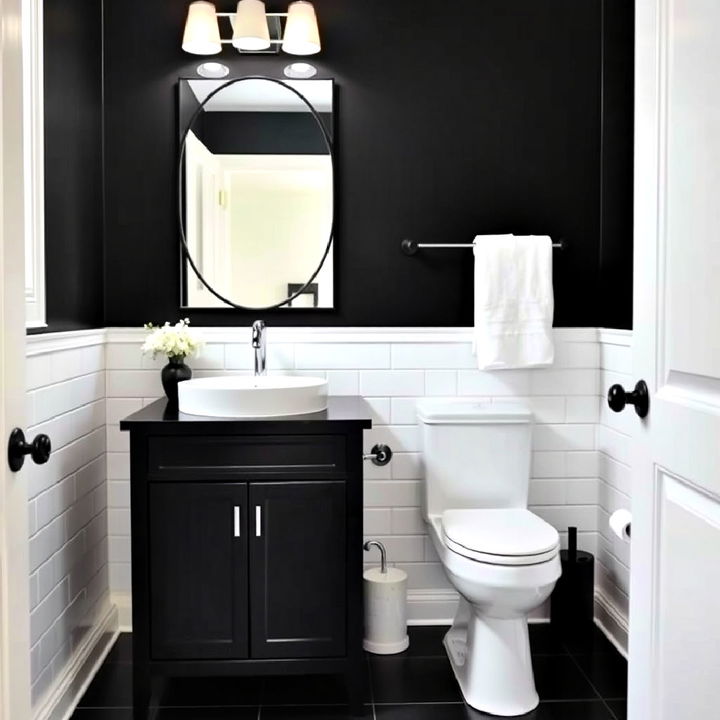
<point>247,545</point>
<point>198,570</point>
<point>297,569</point>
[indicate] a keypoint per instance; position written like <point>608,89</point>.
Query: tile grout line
<point>592,685</point>
<point>600,699</point>
<point>370,682</point>
<point>556,701</point>
<point>261,697</point>
<point>56,383</point>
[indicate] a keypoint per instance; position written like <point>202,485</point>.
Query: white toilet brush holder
<point>385,597</point>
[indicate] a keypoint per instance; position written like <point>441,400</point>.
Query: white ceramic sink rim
<point>241,396</point>
<point>259,382</point>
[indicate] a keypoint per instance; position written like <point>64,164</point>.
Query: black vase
<point>173,373</point>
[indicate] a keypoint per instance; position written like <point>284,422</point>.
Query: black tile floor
<point>585,679</point>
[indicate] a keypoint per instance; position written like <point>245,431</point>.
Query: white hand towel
<point>513,301</point>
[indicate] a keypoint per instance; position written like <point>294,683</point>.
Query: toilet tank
<point>475,454</point>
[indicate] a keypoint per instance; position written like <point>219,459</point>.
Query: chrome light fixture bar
<point>251,29</point>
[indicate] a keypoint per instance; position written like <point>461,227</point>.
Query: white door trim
<point>676,492</point>
<point>34,148</point>
<point>14,585</point>
<point>647,145</point>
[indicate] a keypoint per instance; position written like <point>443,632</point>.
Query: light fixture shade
<point>251,28</point>
<point>302,36</point>
<point>202,34</point>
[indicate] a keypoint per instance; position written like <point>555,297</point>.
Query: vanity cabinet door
<point>297,569</point>
<point>198,570</point>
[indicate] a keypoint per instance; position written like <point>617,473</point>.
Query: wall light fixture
<point>213,70</point>
<point>253,29</point>
<point>300,70</point>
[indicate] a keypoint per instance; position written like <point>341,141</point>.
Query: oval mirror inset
<point>256,193</point>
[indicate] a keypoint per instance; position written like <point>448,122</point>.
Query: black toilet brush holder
<point>571,603</point>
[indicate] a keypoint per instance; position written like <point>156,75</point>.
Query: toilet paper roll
<point>620,522</point>
<point>385,611</point>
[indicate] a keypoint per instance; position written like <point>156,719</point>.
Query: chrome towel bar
<point>410,247</point>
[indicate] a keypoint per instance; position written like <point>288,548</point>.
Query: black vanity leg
<point>142,677</point>
<point>357,667</point>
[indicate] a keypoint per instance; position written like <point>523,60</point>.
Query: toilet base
<point>491,661</point>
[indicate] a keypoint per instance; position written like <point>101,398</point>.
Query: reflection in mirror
<point>257,191</point>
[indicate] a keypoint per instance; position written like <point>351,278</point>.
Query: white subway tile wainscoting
<point>80,385</point>
<point>391,369</point>
<point>614,444</point>
<point>71,617</point>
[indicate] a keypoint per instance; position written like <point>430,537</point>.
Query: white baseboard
<point>612,622</point>
<point>431,607</point>
<point>123,602</point>
<point>62,698</point>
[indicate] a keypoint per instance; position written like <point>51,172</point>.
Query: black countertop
<point>345,410</point>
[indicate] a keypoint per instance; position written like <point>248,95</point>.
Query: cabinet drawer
<point>177,457</point>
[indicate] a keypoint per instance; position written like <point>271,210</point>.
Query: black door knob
<point>639,397</point>
<point>39,449</point>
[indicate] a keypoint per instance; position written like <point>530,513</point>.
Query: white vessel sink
<point>263,396</point>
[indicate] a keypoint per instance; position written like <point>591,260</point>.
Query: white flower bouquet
<point>176,341</point>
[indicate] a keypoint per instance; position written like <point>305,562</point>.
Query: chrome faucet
<point>259,343</point>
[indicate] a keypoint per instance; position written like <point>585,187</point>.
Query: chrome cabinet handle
<point>258,521</point>
<point>236,521</point>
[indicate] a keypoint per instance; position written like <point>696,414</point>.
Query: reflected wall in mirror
<point>256,195</point>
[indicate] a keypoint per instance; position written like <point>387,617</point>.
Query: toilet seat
<point>512,536</point>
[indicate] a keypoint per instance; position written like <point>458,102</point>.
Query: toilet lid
<point>512,536</point>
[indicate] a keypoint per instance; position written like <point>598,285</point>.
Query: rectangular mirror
<point>256,195</point>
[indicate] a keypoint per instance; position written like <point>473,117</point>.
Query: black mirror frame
<point>181,199</point>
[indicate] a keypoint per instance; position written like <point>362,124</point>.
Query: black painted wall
<point>73,164</point>
<point>497,125</point>
<point>615,289</point>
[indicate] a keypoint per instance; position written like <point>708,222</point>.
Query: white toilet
<point>502,559</point>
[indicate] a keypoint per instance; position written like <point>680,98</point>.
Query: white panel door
<point>14,580</point>
<point>675,579</point>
